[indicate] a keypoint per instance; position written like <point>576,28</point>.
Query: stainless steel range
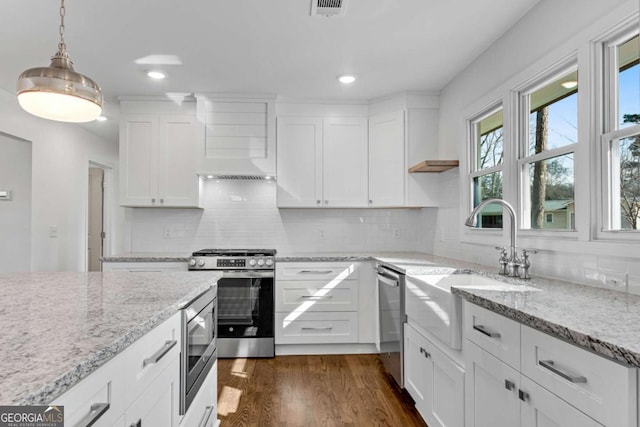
<point>246,317</point>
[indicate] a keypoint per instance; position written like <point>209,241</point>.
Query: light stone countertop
<point>147,257</point>
<point>604,321</point>
<point>57,328</point>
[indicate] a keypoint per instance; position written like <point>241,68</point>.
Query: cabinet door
<point>447,391</point>
<point>541,408</point>
<point>344,162</point>
<point>387,169</point>
<point>418,370</point>
<point>178,184</point>
<point>491,390</point>
<point>158,404</point>
<point>299,161</point>
<point>138,160</point>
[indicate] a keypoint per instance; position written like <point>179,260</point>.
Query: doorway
<point>96,232</point>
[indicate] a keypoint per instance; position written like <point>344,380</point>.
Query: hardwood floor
<point>307,391</point>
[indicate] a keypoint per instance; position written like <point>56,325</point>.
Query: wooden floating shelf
<point>434,166</point>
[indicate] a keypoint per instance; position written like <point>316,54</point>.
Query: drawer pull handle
<point>425,352</point>
<point>550,365</point>
<point>155,358</point>
<point>206,416</point>
<point>509,385</point>
<point>97,410</point>
<point>316,296</point>
<point>307,328</point>
<point>483,330</point>
<point>315,271</point>
<point>523,395</point>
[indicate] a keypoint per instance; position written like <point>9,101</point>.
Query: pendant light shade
<point>58,92</point>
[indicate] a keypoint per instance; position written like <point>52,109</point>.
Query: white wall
<point>549,32</point>
<point>61,153</point>
<point>243,214</point>
<point>15,214</point>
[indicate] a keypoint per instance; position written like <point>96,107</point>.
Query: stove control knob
<point>252,262</point>
<point>201,263</point>
<point>192,262</point>
<point>260,262</point>
<point>269,262</point>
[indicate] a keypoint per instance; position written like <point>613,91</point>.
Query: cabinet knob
<point>153,201</point>
<point>370,202</point>
<point>318,202</point>
<point>523,395</point>
<point>326,202</point>
<point>161,201</point>
<point>509,385</point>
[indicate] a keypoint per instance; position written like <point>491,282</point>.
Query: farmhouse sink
<point>430,304</point>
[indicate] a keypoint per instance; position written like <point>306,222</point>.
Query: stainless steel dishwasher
<point>391,318</point>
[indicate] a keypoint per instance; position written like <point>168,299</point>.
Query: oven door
<point>245,304</point>
<point>199,344</point>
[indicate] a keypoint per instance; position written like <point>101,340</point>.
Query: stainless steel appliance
<point>198,345</point>
<point>391,288</point>
<point>246,319</point>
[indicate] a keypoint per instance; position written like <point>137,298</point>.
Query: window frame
<point>522,96</point>
<point>473,170</point>
<point>607,134</point>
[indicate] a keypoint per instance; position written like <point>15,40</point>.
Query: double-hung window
<point>620,140</point>
<point>487,155</point>
<point>549,138</point>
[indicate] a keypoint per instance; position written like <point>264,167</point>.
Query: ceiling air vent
<point>328,8</point>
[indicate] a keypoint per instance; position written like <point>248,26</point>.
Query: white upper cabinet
<point>299,161</point>
<point>387,170</point>
<point>322,162</point>
<point>157,154</point>
<point>344,162</point>
<point>237,135</point>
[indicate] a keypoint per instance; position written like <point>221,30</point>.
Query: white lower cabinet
<point>435,382</point>
<point>157,406</point>
<point>557,384</point>
<point>204,408</point>
<point>125,392</point>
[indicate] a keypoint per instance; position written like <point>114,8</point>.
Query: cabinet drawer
<point>316,327</point>
<point>314,295</point>
<point>204,409</point>
<point>602,389</point>
<point>150,355</point>
<point>104,386</point>
<point>494,333</point>
<point>317,271</point>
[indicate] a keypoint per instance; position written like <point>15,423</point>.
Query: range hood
<point>238,177</point>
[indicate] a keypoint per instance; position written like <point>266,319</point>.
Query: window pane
<point>489,131</point>
<point>553,118</point>
<point>488,186</point>
<point>628,83</point>
<point>629,191</point>
<point>552,193</point>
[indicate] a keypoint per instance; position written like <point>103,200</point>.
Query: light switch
<point>5,195</point>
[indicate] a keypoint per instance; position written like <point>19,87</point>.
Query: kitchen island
<point>58,328</point>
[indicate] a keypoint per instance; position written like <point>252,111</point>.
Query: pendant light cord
<point>62,46</point>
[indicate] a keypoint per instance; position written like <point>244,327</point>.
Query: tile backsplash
<point>243,213</point>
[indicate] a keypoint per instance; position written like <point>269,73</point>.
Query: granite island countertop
<point>57,328</point>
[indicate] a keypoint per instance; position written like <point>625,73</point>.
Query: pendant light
<point>57,92</point>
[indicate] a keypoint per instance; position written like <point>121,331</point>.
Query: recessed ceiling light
<point>210,176</point>
<point>570,84</point>
<point>347,79</point>
<point>101,119</point>
<point>157,75</point>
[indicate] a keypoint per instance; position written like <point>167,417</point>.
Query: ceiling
<point>256,46</point>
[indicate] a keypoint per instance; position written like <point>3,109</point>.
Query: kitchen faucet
<point>510,265</point>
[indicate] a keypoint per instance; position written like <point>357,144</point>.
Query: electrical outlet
<point>166,232</point>
<point>396,233</point>
<point>615,280</point>
<point>53,231</point>
<point>321,234</point>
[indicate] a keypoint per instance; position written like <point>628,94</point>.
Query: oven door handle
<point>247,274</point>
